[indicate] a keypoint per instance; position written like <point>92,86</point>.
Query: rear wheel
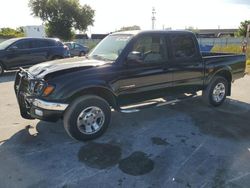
<point>1,69</point>
<point>82,54</point>
<point>216,91</point>
<point>87,118</point>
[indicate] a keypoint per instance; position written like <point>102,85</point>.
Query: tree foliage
<point>129,28</point>
<point>242,31</point>
<point>11,33</point>
<point>62,16</point>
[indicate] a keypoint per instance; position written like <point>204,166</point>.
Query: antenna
<point>153,18</point>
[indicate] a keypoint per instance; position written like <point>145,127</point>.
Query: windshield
<point>110,47</point>
<point>6,43</point>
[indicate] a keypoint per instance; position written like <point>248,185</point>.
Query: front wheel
<point>87,118</point>
<point>216,92</point>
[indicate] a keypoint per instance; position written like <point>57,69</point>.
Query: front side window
<point>183,47</point>
<point>22,45</point>
<point>7,43</point>
<point>150,49</point>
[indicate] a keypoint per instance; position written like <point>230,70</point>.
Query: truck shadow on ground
<point>8,76</point>
<point>136,144</point>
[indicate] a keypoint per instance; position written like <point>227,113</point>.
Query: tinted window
<point>183,46</point>
<point>77,46</point>
<point>24,44</point>
<point>51,43</point>
<point>39,44</point>
<point>70,45</point>
<point>7,43</point>
<point>150,49</point>
<point>58,43</point>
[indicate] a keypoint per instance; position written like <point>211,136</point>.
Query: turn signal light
<point>48,90</point>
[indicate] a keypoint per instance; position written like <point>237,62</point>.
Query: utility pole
<point>247,38</point>
<point>153,18</point>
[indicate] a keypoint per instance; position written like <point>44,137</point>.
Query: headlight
<point>36,87</point>
<point>39,87</point>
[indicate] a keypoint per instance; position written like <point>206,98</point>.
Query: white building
<point>34,31</point>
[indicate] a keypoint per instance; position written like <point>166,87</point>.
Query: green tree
<point>129,28</point>
<point>11,33</point>
<point>63,16</point>
<point>242,31</point>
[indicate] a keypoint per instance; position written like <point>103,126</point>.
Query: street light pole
<point>153,18</point>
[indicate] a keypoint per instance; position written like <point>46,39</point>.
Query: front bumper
<point>49,105</point>
<point>32,107</point>
<point>47,111</point>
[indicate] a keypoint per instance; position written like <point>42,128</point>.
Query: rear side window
<point>39,44</point>
<point>58,43</point>
<point>183,46</point>
<point>77,46</point>
<point>51,43</point>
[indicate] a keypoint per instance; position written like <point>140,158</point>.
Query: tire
<point>80,116</point>
<point>81,54</point>
<point>216,92</point>
<point>1,69</point>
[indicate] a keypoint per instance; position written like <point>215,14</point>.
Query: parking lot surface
<point>187,144</point>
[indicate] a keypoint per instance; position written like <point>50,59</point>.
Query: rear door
<point>40,51</point>
<point>148,78</point>
<point>186,63</point>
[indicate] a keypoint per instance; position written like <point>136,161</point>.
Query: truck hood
<point>65,65</point>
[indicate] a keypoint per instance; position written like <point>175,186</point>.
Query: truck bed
<point>236,63</point>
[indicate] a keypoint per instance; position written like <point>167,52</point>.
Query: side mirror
<point>134,57</point>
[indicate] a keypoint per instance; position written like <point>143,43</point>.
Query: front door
<point>146,76</point>
<point>18,54</point>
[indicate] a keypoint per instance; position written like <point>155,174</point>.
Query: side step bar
<point>152,103</point>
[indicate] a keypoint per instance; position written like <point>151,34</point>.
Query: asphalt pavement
<point>188,144</point>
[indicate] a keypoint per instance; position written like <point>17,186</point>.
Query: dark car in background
<point>77,49</point>
<point>25,52</point>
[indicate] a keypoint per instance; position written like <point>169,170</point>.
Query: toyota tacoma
<point>122,72</point>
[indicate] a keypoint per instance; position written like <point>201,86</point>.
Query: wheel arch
<point>102,92</point>
<point>225,73</point>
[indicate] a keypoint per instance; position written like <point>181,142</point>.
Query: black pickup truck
<point>122,71</point>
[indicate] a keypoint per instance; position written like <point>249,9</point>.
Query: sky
<point>111,15</point>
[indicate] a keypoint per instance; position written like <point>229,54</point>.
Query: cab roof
<point>135,32</point>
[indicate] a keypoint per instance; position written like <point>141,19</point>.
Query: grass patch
<point>230,49</point>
